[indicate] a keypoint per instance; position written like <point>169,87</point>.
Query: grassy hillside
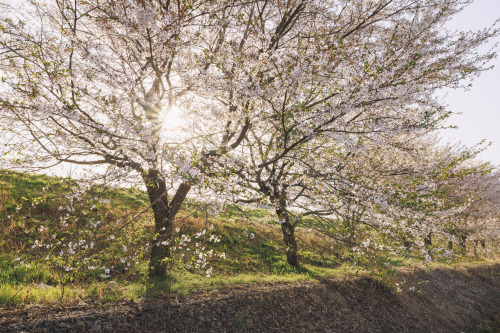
<point>50,254</point>
<point>31,220</point>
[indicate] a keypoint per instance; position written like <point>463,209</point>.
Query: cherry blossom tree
<point>390,197</point>
<point>92,82</point>
<point>346,72</point>
<point>262,85</point>
<point>479,223</point>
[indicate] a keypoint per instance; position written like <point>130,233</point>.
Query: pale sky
<point>480,106</point>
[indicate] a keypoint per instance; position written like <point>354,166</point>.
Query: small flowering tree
<point>85,237</point>
<point>395,201</point>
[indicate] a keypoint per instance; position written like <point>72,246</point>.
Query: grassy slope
<point>249,237</point>
<point>466,299</point>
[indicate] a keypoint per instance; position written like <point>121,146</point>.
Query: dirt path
<point>445,300</point>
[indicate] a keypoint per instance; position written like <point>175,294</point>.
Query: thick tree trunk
<point>164,215</point>
<point>292,252</point>
<point>288,229</point>
<point>157,193</point>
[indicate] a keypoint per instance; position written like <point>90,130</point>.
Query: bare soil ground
<point>445,300</point>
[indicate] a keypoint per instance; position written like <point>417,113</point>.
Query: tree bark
<point>292,255</point>
<point>288,229</point>
<point>164,215</point>
<point>462,242</point>
<point>428,239</point>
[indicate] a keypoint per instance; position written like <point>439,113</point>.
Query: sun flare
<point>173,118</point>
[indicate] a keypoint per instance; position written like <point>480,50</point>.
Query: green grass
<point>250,238</point>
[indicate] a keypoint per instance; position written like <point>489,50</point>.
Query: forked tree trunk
<point>288,229</point>
<point>164,215</point>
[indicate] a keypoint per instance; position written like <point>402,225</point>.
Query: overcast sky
<point>480,106</point>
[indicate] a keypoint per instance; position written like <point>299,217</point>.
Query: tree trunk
<point>292,255</point>
<point>428,239</point>
<point>407,243</point>
<point>462,242</point>
<point>164,215</point>
<point>288,229</point>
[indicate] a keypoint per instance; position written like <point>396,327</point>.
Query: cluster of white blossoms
<point>194,252</point>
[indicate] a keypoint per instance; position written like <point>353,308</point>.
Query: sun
<point>173,118</point>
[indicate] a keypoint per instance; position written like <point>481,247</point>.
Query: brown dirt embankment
<point>445,300</point>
